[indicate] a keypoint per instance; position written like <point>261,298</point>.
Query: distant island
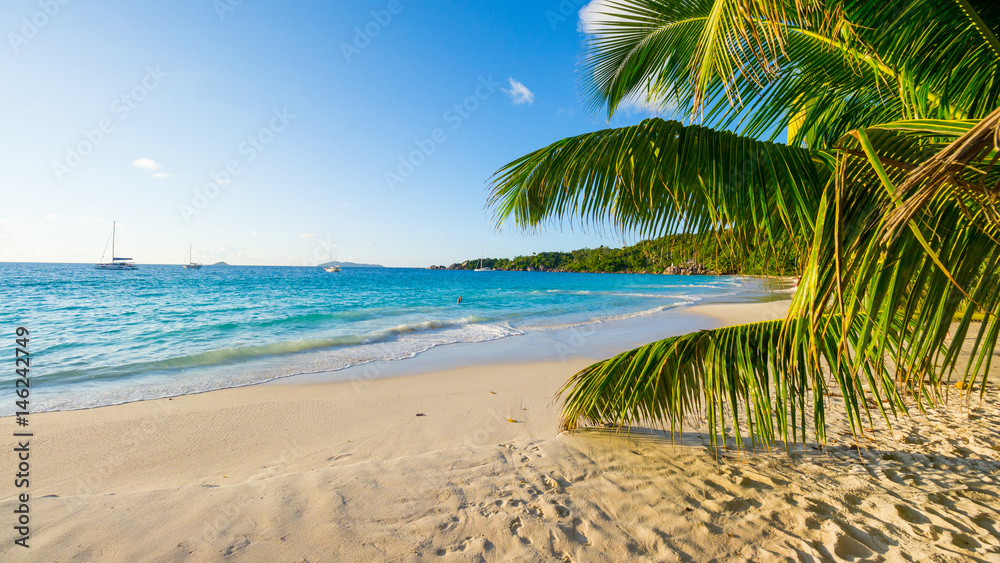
<point>350,265</point>
<point>220,264</point>
<point>673,254</point>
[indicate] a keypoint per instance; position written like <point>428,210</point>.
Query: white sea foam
<point>263,361</point>
<point>399,343</point>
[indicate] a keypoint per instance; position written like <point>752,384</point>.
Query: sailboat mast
<point>114,225</point>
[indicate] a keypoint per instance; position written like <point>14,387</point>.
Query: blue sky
<point>266,132</point>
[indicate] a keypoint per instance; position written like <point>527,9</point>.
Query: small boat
<point>332,268</point>
<point>115,263</point>
<point>481,268</point>
<point>191,265</point>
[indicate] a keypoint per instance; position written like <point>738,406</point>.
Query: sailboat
<point>191,265</point>
<point>332,268</point>
<point>481,268</point>
<point>115,263</point>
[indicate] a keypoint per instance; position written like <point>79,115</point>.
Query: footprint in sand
<point>551,483</point>
<point>893,476</point>
<point>817,506</point>
<point>964,542</point>
<point>853,500</point>
<point>849,549</point>
<point>556,551</point>
<point>748,483</point>
<point>910,515</point>
<point>515,528</point>
<point>942,499</point>
<point>561,511</point>
<point>461,547</point>
<point>575,531</point>
<point>739,504</point>
<point>987,522</point>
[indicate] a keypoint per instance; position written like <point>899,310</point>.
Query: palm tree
<point>885,187</point>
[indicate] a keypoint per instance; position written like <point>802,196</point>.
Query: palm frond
<point>757,64</point>
<point>985,15</point>
<point>660,176</point>
<point>887,187</point>
<point>748,377</point>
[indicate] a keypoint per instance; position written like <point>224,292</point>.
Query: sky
<point>275,133</point>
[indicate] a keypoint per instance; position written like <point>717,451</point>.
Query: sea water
<point>107,337</point>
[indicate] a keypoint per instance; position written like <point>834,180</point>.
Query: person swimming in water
<point>459,299</point>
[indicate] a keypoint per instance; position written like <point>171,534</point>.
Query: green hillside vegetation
<point>700,254</point>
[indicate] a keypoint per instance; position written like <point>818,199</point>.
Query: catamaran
<point>191,265</point>
<point>481,268</point>
<point>332,268</point>
<point>115,263</point>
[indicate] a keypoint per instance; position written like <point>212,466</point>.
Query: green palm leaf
<point>749,377</point>
<point>659,177</point>
<point>887,186</point>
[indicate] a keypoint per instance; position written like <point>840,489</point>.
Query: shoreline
<point>349,470</point>
<point>566,337</point>
<point>594,341</point>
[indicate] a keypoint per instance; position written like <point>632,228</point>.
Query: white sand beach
<point>350,471</point>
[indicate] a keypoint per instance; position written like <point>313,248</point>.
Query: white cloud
<point>345,204</point>
<point>147,163</point>
<point>519,93</point>
<point>594,15</point>
<point>160,175</point>
<point>50,216</point>
<point>594,18</point>
<point>310,235</point>
<point>641,104</point>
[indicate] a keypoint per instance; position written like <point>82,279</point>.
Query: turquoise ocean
<point>104,337</point>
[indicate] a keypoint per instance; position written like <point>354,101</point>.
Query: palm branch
<point>886,187</point>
